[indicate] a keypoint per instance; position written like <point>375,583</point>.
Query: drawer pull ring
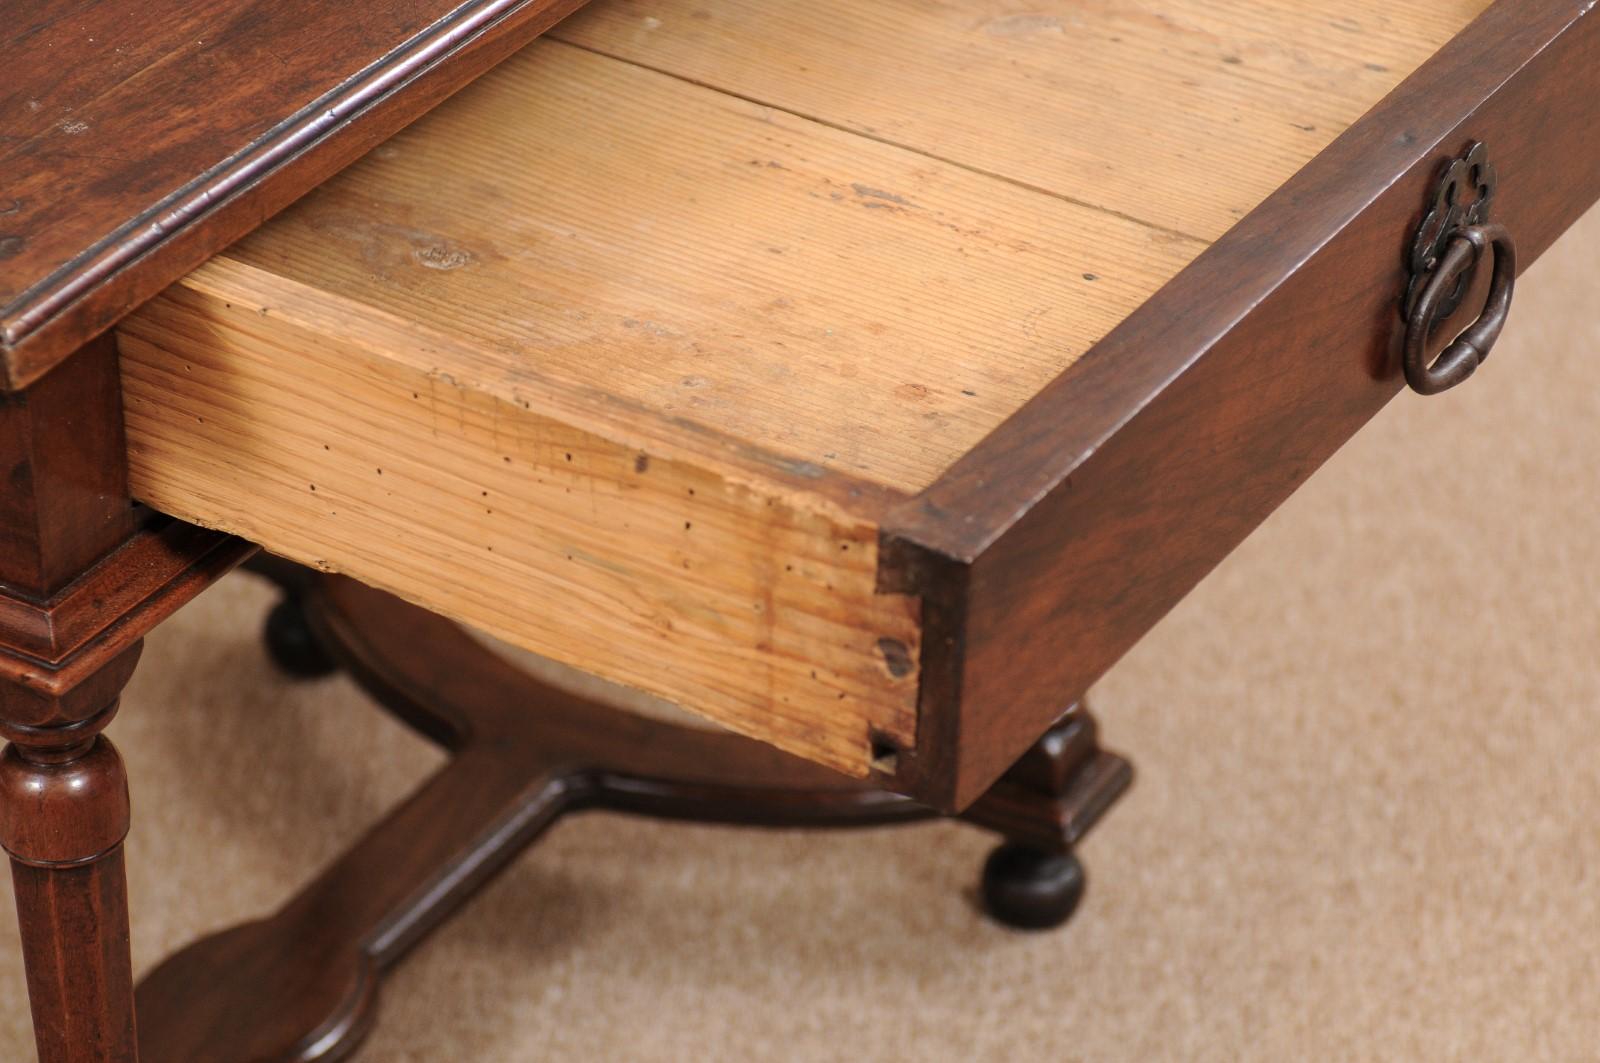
<point>1458,361</point>
<point>1444,257</point>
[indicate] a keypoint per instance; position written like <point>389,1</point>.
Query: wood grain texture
<point>1089,514</point>
<point>65,654</point>
<point>85,576</point>
<point>805,323</point>
<point>770,277</point>
<point>63,481</point>
<point>834,301</point>
<point>510,504</point>
<point>138,137</point>
<point>141,582</point>
<point>1184,114</point>
<point>63,822</point>
<point>80,995</point>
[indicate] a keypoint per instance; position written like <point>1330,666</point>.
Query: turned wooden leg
<point>65,815</point>
<point>84,575</point>
<point>1042,806</point>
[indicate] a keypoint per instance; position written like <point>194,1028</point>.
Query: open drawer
<point>865,377</point>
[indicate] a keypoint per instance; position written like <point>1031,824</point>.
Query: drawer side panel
<point>260,407</point>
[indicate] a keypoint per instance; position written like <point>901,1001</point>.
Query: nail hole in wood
<point>896,657</point>
<point>885,755</point>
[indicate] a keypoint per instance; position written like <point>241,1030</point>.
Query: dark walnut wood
<point>302,984</point>
<point>66,813</point>
<point>163,131</point>
<point>83,577</point>
<point>1054,545</point>
<point>139,137</point>
<point>63,793</point>
<point>63,504</point>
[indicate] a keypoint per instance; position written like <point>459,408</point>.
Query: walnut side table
<point>866,378</point>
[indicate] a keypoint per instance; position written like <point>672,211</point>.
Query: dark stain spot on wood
<point>867,192</point>
<point>885,754</point>
<point>641,463</point>
<point>895,657</point>
<point>11,246</point>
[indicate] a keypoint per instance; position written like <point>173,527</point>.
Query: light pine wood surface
<point>647,327</point>
<point>752,602</point>
<point>823,296</point>
<point>1182,114</point>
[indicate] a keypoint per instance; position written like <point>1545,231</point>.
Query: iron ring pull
<point>1456,362</point>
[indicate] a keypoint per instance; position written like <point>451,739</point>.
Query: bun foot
<point>291,643</point>
<point>1031,889</point>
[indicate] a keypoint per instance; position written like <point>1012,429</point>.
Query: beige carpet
<point>1363,826</point>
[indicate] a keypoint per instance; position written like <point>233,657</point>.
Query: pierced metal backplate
<point>1461,198</point>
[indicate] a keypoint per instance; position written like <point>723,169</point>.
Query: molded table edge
<point>139,256</point>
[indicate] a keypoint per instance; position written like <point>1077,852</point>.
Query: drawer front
<point>1053,546</point>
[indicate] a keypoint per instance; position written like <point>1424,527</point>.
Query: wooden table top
<point>867,377</point>
<point>137,137</point>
